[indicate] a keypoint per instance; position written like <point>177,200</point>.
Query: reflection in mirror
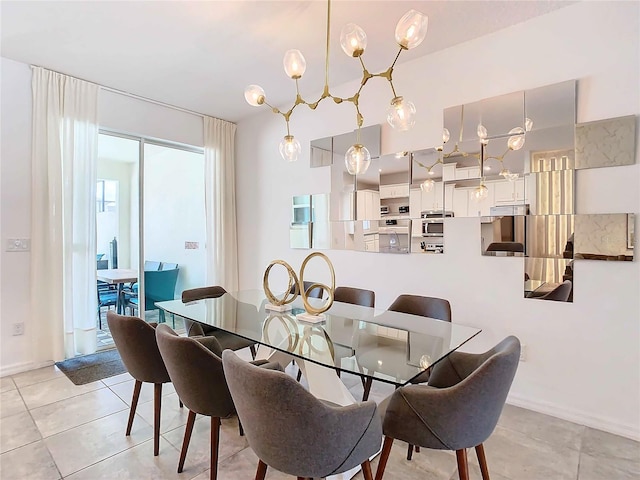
<point>321,152</point>
<point>320,231</point>
<point>604,236</point>
<point>301,217</point>
<point>548,279</point>
<point>606,143</point>
<point>368,194</point>
<point>551,106</point>
<point>552,192</point>
<point>503,236</point>
<point>394,236</point>
<point>550,236</point>
<point>395,177</point>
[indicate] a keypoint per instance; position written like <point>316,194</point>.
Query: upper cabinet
<point>394,191</point>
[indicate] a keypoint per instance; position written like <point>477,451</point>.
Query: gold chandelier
<point>410,32</point>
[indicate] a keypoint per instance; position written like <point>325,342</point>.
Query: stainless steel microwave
<point>433,223</point>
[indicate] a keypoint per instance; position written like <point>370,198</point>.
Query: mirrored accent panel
<point>606,143</point>
<point>331,150</point>
<point>604,236</point>
<point>504,236</point>
<point>548,279</point>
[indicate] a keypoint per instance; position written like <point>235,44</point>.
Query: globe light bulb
<point>445,135</point>
<point>480,193</point>
<point>353,40</point>
<point>505,172</point>
<point>294,64</point>
<point>401,114</point>
<point>516,141</point>
<point>425,361</point>
<point>289,148</point>
<point>481,131</point>
<point>528,124</point>
<point>512,177</point>
<point>427,185</point>
<point>254,95</point>
<point>357,159</point>
<point>411,29</point>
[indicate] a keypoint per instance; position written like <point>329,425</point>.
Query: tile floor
<point>52,429</point>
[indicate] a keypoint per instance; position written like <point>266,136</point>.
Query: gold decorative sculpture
<point>296,285</point>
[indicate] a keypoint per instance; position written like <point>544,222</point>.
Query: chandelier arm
<point>326,61</point>
<point>392,89</point>
<point>396,59</point>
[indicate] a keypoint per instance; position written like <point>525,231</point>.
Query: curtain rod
<point>133,95</point>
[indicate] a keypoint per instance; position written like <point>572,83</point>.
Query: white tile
<point>125,391</point>
<point>36,376</point>
<point>599,468</point>
<point>135,464</point>
<point>6,384</point>
<point>123,377</point>
<point>51,391</point>
<point>11,403</point>
<point>71,412</point>
<point>17,430</point>
<point>199,452</point>
<point>31,462</point>
<point>171,415</point>
<point>81,447</point>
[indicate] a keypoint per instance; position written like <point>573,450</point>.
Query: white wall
<point>15,177</point>
<point>583,358</point>
<point>116,112</point>
<point>174,212</point>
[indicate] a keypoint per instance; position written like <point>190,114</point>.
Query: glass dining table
<point>387,346</point>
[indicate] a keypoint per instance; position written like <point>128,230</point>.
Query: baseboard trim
<point>576,416</point>
<point>23,367</point>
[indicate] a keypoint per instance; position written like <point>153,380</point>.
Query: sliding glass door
<point>150,219</point>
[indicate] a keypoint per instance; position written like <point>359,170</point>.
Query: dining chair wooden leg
<point>215,440</point>
<point>384,456</point>
<point>463,466</point>
<point>253,351</point>
<point>417,447</point>
<point>367,389</point>
<point>191,419</point>
<point>299,376</point>
<point>409,452</point>
<point>366,470</point>
<point>262,470</point>
<point>482,460</point>
<point>180,403</point>
<point>157,403</point>
<point>240,429</point>
<point>134,404</point>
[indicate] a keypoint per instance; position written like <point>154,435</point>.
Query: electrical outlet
<point>18,329</point>
<point>18,245</point>
<point>523,352</point>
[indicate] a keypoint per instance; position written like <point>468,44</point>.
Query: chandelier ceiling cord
<point>410,32</point>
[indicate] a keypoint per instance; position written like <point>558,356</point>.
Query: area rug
<point>94,367</point>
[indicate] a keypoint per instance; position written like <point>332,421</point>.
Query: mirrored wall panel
<point>604,237</point>
<point>549,279</point>
<point>606,143</point>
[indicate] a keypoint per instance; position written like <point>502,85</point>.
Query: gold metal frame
<point>330,290</point>
<point>293,282</point>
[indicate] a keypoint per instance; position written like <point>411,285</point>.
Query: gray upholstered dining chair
<point>355,296</point>
<point>195,368</point>
<point>459,409</point>
<point>314,293</point>
<point>195,329</point>
<point>281,417</point>
<point>135,340</point>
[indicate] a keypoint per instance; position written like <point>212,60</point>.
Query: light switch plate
<point>18,245</point>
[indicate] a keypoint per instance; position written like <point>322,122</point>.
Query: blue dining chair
<point>159,285</point>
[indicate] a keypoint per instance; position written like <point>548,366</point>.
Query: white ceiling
<point>201,55</point>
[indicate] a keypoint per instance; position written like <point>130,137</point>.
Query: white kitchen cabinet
<point>372,243</point>
<point>507,192</point>
<point>368,205</point>
<point>448,171</point>
<point>415,207</point>
<point>467,172</point>
<point>460,202</point>
<point>394,191</point>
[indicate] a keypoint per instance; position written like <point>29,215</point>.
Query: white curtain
<point>220,203</point>
<point>63,219</point>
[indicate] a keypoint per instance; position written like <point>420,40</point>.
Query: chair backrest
<point>196,373</point>
<point>102,264</point>
<point>151,266</point>
<point>135,340</point>
<point>99,256</point>
<point>200,293</point>
<point>168,266</point>
<point>294,432</point>
<point>431,307</point>
<point>559,294</point>
<point>159,286</point>
<point>315,293</point>
<point>355,296</point>
<point>505,247</point>
<point>460,412</point>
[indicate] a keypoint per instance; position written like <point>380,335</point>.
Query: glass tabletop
<point>389,346</point>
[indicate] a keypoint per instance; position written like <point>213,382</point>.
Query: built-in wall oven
<point>433,222</point>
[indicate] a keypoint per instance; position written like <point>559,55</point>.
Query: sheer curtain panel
<point>220,199</point>
<point>63,267</point>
